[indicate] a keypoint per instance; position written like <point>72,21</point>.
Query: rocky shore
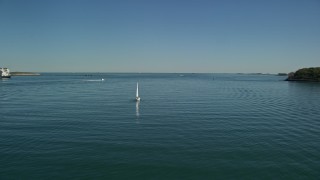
<point>305,74</point>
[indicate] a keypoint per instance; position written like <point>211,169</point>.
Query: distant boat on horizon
<point>137,93</point>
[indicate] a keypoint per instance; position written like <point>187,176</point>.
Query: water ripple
<point>185,127</point>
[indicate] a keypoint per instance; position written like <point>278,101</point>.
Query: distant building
<point>5,73</point>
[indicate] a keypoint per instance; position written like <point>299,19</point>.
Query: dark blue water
<point>187,126</point>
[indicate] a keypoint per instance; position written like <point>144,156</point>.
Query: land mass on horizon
<point>24,74</point>
<point>311,74</point>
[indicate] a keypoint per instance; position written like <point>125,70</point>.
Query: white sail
<point>137,93</point>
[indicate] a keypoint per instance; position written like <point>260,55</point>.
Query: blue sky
<point>225,36</point>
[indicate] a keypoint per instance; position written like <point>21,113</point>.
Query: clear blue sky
<point>267,36</point>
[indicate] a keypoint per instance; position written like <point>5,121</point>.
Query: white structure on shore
<point>5,73</point>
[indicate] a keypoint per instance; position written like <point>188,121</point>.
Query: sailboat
<point>137,93</point>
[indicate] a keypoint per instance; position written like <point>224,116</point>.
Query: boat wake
<point>94,80</point>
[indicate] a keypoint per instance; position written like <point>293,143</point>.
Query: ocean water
<point>187,126</point>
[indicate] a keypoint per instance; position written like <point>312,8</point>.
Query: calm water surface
<point>187,126</point>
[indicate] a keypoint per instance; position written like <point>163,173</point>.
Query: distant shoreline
<point>311,74</point>
<point>24,74</point>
